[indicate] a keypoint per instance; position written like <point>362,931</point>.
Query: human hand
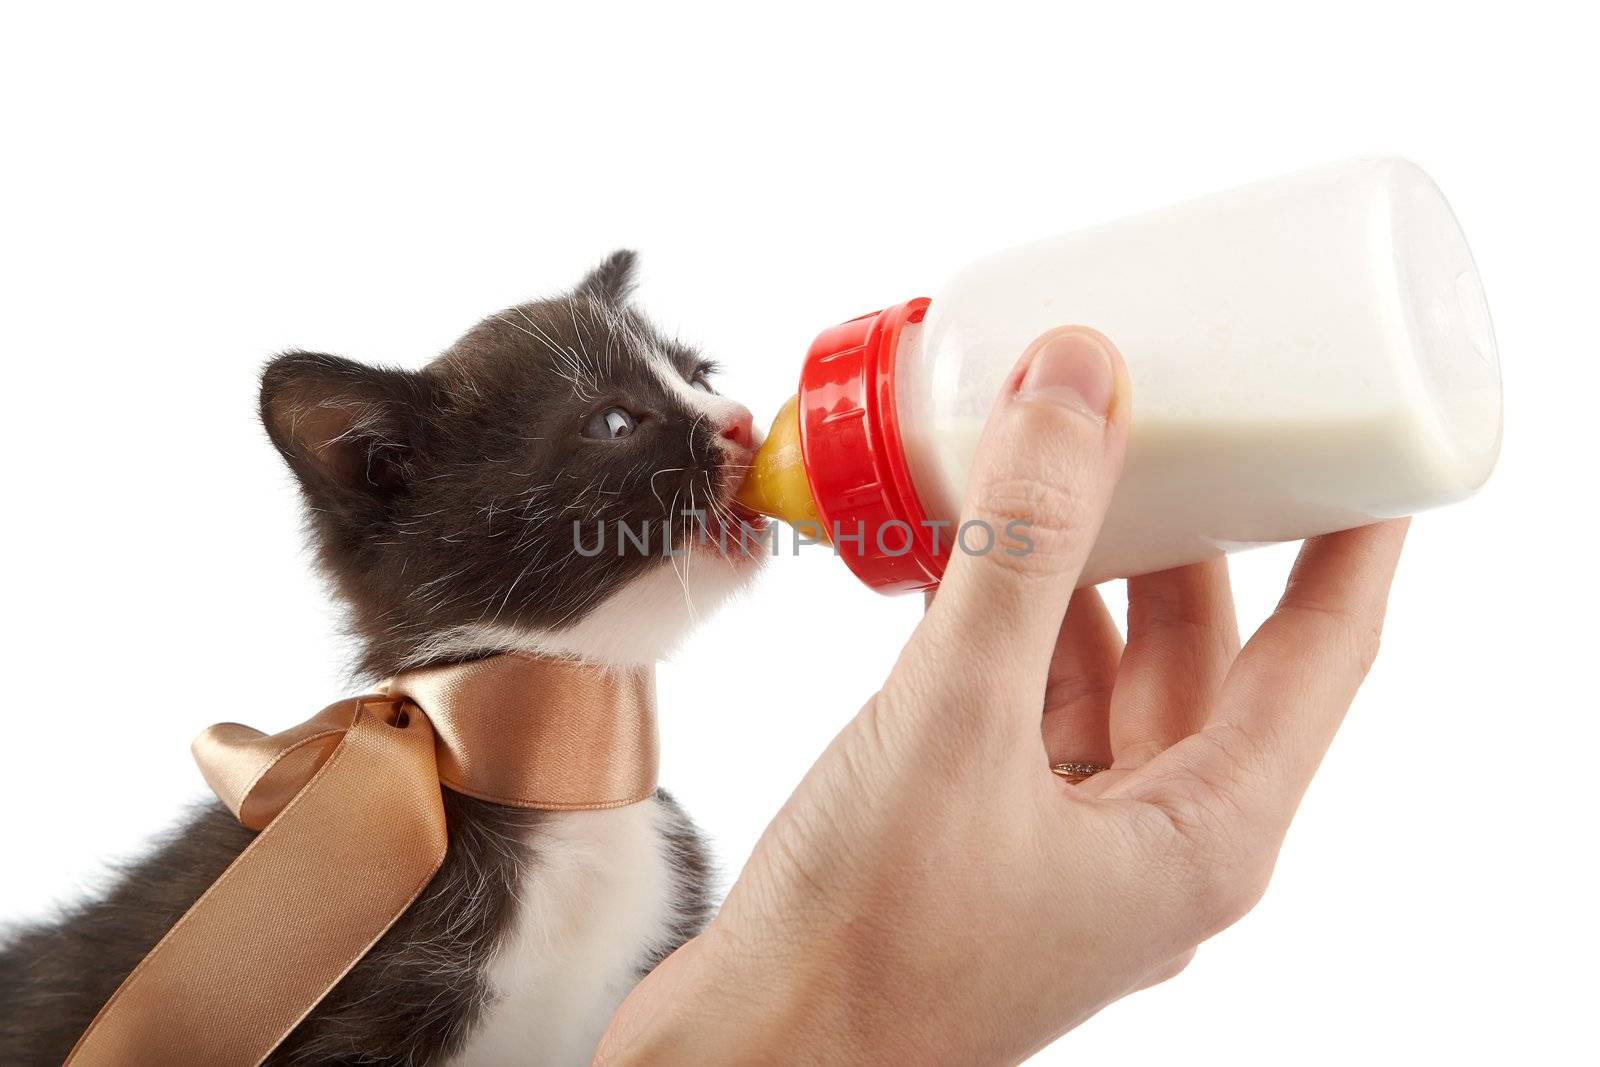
<point>932,893</point>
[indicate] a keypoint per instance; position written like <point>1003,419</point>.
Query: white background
<point>188,191</point>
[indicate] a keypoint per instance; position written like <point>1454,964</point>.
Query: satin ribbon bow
<point>352,830</point>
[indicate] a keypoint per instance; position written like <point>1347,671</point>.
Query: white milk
<point>1307,355</point>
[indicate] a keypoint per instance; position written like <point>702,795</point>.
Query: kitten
<point>442,503</point>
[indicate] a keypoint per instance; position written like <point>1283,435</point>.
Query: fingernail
<point>1071,367</point>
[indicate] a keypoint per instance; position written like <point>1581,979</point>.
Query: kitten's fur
<point>442,505</point>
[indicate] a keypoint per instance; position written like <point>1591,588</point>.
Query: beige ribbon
<point>352,830</point>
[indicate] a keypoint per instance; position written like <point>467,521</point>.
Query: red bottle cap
<point>854,458</point>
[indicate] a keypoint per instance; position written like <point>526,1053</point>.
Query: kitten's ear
<point>348,431</point>
<point>612,281</point>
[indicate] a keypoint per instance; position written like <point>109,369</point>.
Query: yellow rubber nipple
<point>776,484</point>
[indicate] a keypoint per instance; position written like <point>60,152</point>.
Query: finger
<point>1290,687</point>
<point>1040,482</point>
<point>1077,695</point>
<point>1183,634</point>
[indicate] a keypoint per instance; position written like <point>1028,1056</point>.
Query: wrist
<point>723,1000</point>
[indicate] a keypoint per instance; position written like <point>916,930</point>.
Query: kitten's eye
<point>701,379</point>
<point>612,424</point>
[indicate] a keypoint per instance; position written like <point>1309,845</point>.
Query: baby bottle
<point>1306,354</point>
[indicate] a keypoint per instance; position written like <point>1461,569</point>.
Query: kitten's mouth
<point>753,519</point>
<point>734,531</point>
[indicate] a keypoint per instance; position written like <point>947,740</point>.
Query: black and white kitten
<point>442,503</point>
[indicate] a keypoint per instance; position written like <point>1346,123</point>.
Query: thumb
<point>1045,467</point>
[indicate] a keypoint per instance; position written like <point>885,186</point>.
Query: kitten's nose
<point>738,427</point>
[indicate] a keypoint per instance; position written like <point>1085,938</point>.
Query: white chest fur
<point>599,896</point>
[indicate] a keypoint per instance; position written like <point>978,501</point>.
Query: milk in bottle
<point>1306,354</point>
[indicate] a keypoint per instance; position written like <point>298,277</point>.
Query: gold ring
<point>1077,772</point>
